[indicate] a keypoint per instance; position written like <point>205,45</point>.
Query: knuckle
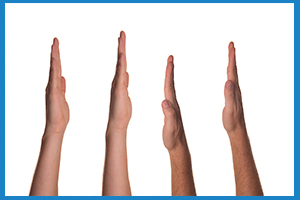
<point>54,62</point>
<point>234,70</point>
<point>172,113</point>
<point>170,86</point>
<point>121,55</point>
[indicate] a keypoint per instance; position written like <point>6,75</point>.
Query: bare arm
<point>175,140</point>
<point>246,176</point>
<point>115,175</point>
<point>45,180</point>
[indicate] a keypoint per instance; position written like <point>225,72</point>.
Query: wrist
<point>116,125</point>
<point>239,138</point>
<point>180,159</point>
<point>175,142</point>
<point>237,132</point>
<point>54,130</point>
<point>52,137</point>
<point>181,150</point>
<point>113,131</point>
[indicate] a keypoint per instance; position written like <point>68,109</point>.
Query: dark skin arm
<point>175,140</point>
<point>246,175</point>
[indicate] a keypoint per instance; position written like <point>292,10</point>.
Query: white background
<point>197,35</point>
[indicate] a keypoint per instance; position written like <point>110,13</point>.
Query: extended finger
<point>232,69</point>
<point>121,77</point>
<point>121,74</point>
<point>122,43</point>
<point>55,65</point>
<point>169,88</point>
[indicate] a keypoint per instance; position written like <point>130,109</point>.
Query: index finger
<point>55,65</point>
<point>169,88</point>
<point>232,69</point>
<point>121,75</point>
<point>122,43</point>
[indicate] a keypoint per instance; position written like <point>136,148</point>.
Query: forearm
<point>115,175</point>
<point>246,176</point>
<point>45,180</point>
<point>181,169</point>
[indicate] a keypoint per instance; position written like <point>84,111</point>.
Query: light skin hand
<point>45,180</point>
<point>246,175</point>
<point>115,174</point>
<point>174,139</point>
<point>120,103</point>
<point>57,109</point>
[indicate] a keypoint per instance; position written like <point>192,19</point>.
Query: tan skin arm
<point>246,175</point>
<point>45,179</point>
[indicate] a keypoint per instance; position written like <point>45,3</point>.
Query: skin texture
<point>174,139</point>
<point>115,174</point>
<point>45,180</point>
<point>246,176</point>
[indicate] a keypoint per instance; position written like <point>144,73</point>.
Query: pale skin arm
<point>246,175</point>
<point>115,174</point>
<point>45,180</point>
<point>175,140</point>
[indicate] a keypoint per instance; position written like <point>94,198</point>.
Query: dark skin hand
<point>174,139</point>
<point>246,175</point>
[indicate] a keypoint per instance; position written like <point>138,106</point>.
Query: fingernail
<point>171,58</point>
<point>232,44</point>
<point>229,85</point>
<point>166,104</point>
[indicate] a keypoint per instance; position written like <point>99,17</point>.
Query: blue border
<point>149,1</point>
<point>296,88</point>
<point>2,97</point>
<point>296,96</point>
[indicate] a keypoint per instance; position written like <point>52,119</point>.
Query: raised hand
<point>120,103</point>
<point>115,175</point>
<point>246,176</point>
<point>173,132</point>
<point>45,180</point>
<point>233,114</point>
<point>174,139</point>
<point>57,109</point>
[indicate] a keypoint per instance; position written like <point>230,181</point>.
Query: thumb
<point>169,111</point>
<point>229,93</point>
<point>63,84</point>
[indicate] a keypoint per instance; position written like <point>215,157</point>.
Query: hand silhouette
<point>57,109</point>
<point>120,103</point>
<point>115,173</point>
<point>173,132</point>
<point>174,139</point>
<point>233,114</point>
<point>246,175</point>
<point>45,179</point>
